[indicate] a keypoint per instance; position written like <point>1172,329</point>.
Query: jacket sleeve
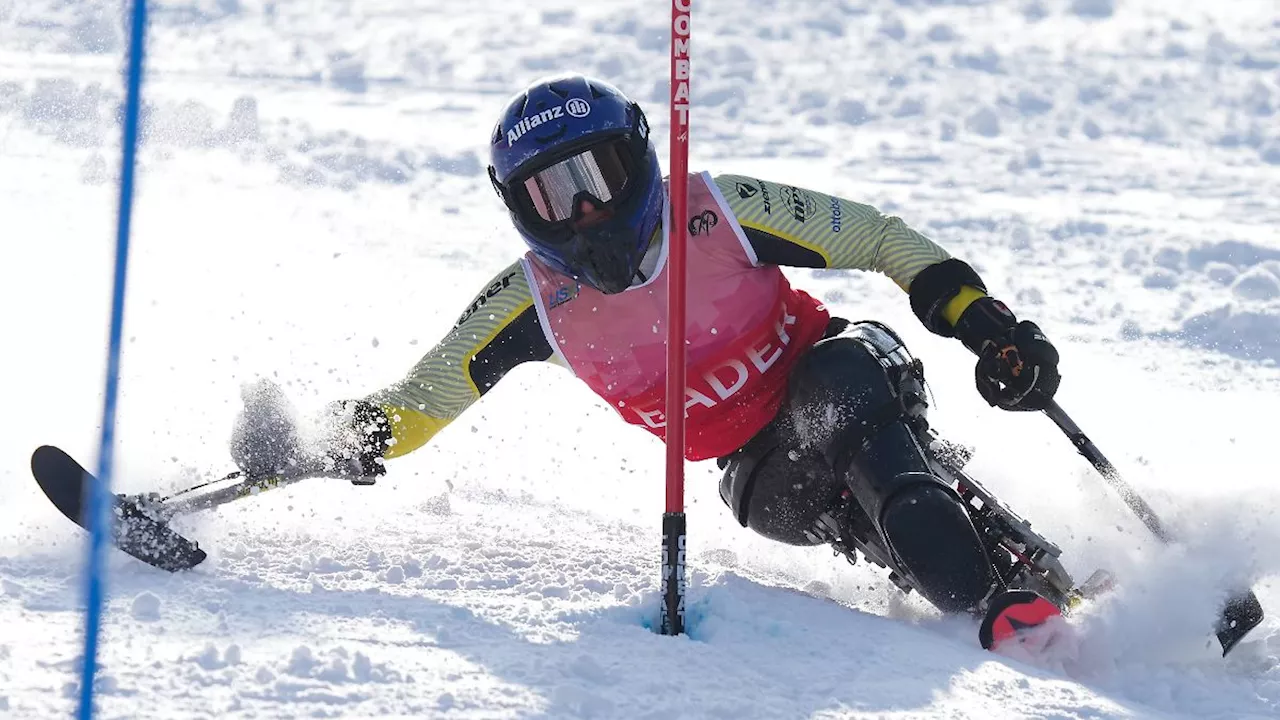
<point>497,331</point>
<point>787,225</point>
<point>792,226</point>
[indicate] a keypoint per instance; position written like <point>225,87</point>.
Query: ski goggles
<point>599,174</point>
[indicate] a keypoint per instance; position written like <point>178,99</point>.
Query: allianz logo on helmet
<point>575,107</point>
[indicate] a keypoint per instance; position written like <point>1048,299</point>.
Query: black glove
<point>358,434</point>
<point>1017,365</point>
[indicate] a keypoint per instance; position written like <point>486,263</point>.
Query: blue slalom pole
<point>100,495</point>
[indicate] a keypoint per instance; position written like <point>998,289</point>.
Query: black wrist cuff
<point>374,430</point>
<point>365,442</point>
<point>985,320</point>
<point>935,286</point>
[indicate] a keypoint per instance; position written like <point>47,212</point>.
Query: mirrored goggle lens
<point>599,172</point>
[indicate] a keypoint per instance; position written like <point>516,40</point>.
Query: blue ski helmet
<point>571,159</point>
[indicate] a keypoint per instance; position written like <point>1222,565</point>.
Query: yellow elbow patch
<point>410,430</point>
<point>956,306</point>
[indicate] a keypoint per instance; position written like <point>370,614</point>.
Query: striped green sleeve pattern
<point>497,331</point>
<point>846,234</point>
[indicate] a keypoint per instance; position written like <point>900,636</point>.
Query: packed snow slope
<point>313,207</point>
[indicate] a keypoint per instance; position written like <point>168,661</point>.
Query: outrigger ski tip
<point>138,530</point>
<point>142,521</point>
<point>1241,613</point>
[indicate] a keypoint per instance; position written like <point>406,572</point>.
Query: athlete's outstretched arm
<point>496,332</point>
<point>787,225</point>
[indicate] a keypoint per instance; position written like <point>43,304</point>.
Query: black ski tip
<point>135,531</point>
<point>61,478</point>
<point>41,452</point>
<point>1241,614</point>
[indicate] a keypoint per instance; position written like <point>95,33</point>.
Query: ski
<point>138,530</point>
<point>1241,613</point>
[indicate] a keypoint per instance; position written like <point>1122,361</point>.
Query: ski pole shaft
<point>1108,471</point>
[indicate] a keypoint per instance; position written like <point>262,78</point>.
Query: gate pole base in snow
<point>673,583</point>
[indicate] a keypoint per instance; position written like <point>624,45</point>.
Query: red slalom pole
<point>673,520</point>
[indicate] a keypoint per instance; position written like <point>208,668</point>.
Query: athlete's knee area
<point>846,390</point>
<point>865,363</point>
<point>840,368</point>
<point>849,386</point>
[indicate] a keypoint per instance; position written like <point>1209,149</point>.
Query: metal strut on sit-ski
<point>189,501</point>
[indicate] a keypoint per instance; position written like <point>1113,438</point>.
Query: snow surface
<point>313,207</point>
